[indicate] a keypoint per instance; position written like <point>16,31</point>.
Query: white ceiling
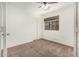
<point>32,7</point>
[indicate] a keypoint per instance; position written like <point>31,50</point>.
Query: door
<point>3,50</point>
<point>0,27</point>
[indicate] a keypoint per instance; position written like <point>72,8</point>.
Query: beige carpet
<point>40,48</point>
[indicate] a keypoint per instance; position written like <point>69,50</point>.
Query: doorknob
<point>7,34</point>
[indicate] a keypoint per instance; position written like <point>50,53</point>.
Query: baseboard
<point>56,42</point>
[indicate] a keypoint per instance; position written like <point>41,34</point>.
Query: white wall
<point>65,35</point>
<point>21,26</point>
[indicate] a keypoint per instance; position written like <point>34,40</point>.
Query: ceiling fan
<point>44,5</point>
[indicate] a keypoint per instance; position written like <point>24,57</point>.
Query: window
<point>52,23</point>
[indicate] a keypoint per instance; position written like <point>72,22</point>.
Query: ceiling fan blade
<point>47,2</point>
<point>52,2</point>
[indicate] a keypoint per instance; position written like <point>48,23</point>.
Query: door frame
<point>4,30</point>
<point>76,30</point>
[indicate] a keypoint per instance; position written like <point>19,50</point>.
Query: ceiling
<point>32,7</point>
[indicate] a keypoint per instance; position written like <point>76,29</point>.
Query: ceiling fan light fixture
<point>45,6</point>
<point>42,6</point>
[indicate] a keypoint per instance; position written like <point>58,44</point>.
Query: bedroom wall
<point>65,35</point>
<point>21,26</point>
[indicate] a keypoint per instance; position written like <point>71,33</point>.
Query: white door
<point>3,50</point>
<point>0,26</point>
